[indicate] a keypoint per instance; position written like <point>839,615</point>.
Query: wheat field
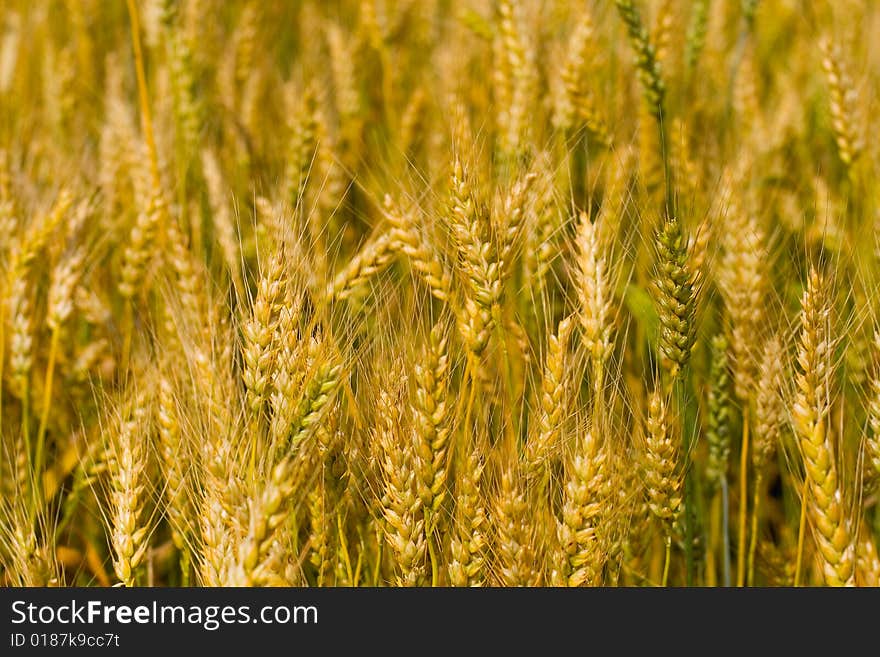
<point>439,293</point>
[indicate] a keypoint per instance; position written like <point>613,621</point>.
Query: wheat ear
<point>468,563</point>
<point>585,504</point>
<point>678,285</point>
<point>812,403</point>
<point>402,506</point>
<point>663,479</point>
<point>555,387</point>
<point>515,542</point>
<point>128,480</point>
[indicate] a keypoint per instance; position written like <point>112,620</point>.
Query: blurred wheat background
<point>439,292</point>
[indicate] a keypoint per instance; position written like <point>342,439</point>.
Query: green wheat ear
<point>677,287</point>
<point>646,56</point>
<point>719,410</point>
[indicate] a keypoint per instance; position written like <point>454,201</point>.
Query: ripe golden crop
<point>439,293</point>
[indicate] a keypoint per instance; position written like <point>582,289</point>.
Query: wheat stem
<point>725,532</point>
<point>666,560</point>
<point>743,501</point>
<point>143,96</point>
<point>753,539</point>
<point>47,403</point>
<point>802,531</point>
